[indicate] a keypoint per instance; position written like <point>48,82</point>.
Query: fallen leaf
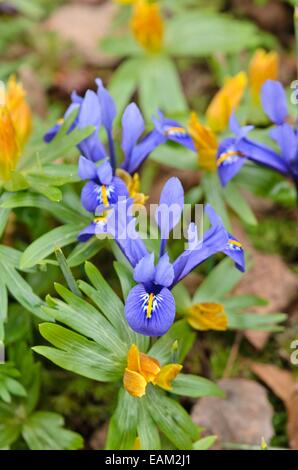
<point>269,278</point>
<point>244,416</point>
<point>84,26</point>
<point>284,385</point>
<point>280,381</point>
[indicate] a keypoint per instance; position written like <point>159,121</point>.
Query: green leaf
<point>124,82</point>
<point>171,418</point>
<point>68,276</point>
<point>194,386</point>
<point>205,443</point>
<point>110,305</point>
<point>159,87</point>
<point>48,243</point>
<point>194,195</point>
<point>125,277</point>
<point>163,348</point>
<point>78,354</point>
<point>87,320</point>
<point>123,424</point>
<point>147,429</point>
<point>203,33</point>
<point>214,196</point>
<point>254,321</point>
<point>3,307</point>
<point>175,157</point>
<point>237,202</point>
<point>84,251</point>
<point>60,211</point>
<point>22,291</point>
<point>222,279</point>
<point>4,214</point>
<point>45,431</point>
<point>239,302</point>
<point>8,384</point>
<point>182,297</point>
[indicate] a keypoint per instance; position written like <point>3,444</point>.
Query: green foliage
<point>39,430</point>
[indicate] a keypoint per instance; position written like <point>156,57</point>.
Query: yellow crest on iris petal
<point>15,125</point>
<point>225,102</point>
<point>147,25</point>
<point>142,369</point>
<point>207,316</point>
<point>263,66</point>
<point>133,186</point>
<point>205,142</point>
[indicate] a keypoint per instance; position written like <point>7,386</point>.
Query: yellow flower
<point>147,25</point>
<point>225,102</point>
<point>133,186</point>
<point>205,142</point>
<point>263,66</point>
<point>9,148</point>
<point>142,369</point>
<point>125,2</point>
<point>15,126</point>
<point>207,316</point>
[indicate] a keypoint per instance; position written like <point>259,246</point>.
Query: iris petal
<point>274,101</point>
<point>162,314</point>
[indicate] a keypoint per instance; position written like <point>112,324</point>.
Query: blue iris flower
<point>233,152</point>
<point>274,102</point>
<point>169,129</point>
<point>150,306</point>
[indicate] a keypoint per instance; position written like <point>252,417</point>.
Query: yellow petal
<point>137,444</point>
<point>134,359</point>
<point>207,316</point>
<point>225,102</point>
<point>166,375</point>
<point>133,186</point>
<point>263,66</point>
<point>134,383</point>
<point>205,142</point>
<point>20,112</point>
<point>147,25</point>
<point>9,149</point>
<point>150,367</point>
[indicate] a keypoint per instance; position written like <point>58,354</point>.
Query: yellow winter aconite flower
<point>225,102</point>
<point>207,316</point>
<point>147,25</point>
<point>205,142</point>
<point>125,2</point>
<point>142,369</point>
<point>263,66</point>
<point>15,126</point>
<point>133,186</point>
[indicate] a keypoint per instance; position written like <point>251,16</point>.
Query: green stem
<point>67,272</point>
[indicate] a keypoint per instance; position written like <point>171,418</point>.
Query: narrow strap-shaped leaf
<point>47,243</point>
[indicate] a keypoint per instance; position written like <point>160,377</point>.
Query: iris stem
<point>112,152</point>
<point>163,245</point>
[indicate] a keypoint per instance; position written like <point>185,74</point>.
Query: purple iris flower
<point>150,306</point>
<point>233,152</point>
<point>274,102</point>
<point>168,129</point>
<point>103,188</point>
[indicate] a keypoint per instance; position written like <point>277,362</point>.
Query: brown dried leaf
<point>244,416</point>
